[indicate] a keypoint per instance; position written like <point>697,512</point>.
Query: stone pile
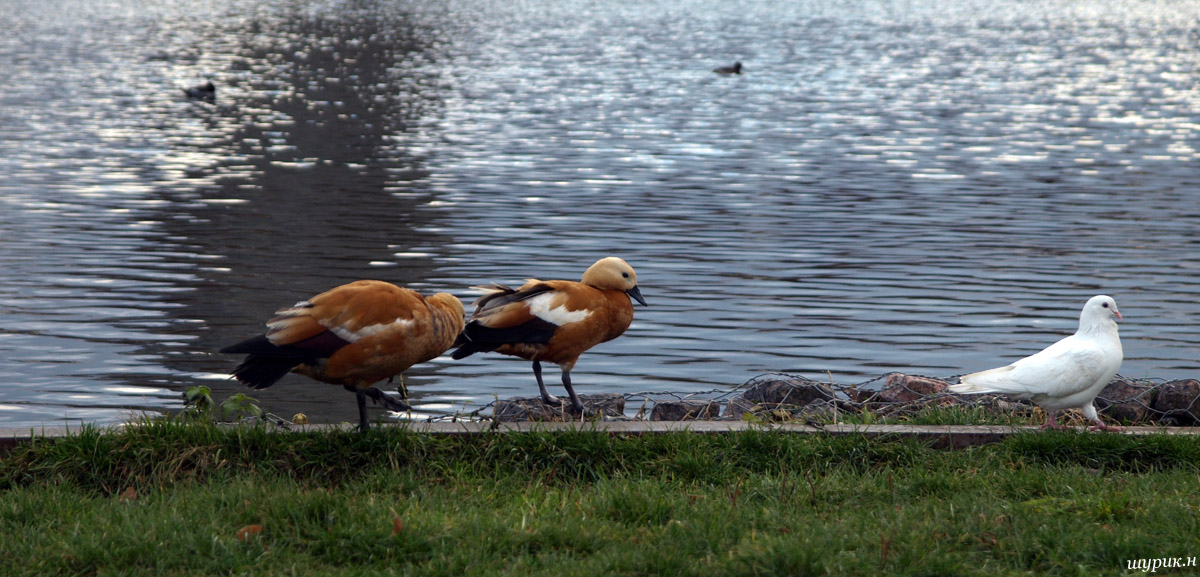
<point>798,399</point>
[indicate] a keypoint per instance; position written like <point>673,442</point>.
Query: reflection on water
<point>888,186</point>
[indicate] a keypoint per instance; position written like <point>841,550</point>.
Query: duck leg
<point>576,404</point>
<point>402,389</point>
<point>382,398</point>
<point>361,396</point>
<point>546,396</point>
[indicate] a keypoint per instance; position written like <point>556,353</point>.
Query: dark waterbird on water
<point>735,69</point>
<point>204,91</point>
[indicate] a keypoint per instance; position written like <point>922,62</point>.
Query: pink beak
<point>1118,313</point>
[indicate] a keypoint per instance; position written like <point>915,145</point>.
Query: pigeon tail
<point>989,381</point>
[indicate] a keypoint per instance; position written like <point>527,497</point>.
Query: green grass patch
<point>941,415</point>
<point>195,499</point>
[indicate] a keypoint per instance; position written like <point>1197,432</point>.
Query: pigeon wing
<point>1062,369</point>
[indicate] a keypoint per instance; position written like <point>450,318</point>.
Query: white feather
<point>370,330</point>
<point>539,306</point>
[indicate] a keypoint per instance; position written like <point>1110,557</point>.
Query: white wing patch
<point>539,306</point>
<point>370,330</point>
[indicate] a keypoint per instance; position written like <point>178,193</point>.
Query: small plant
<point>198,405</point>
<point>240,406</point>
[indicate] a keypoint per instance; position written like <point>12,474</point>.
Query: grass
<point>937,415</point>
<point>967,415</point>
<point>179,499</point>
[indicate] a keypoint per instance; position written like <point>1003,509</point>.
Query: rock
<point>1176,402</point>
<point>902,388</point>
<point>688,410</point>
<point>1125,401</point>
<point>534,409</point>
<point>818,412</point>
<point>858,395</point>
<point>775,393</point>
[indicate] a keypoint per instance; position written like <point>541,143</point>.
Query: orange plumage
<point>554,321</point>
<point>353,335</point>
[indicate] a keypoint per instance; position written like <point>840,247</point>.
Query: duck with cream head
<point>553,321</point>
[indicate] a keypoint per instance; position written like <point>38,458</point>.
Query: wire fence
<point>890,397</point>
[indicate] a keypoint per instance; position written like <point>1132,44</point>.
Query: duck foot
<point>539,409</point>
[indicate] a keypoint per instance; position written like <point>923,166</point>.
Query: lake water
<point>897,185</point>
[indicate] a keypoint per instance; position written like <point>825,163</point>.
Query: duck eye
<point>626,275</point>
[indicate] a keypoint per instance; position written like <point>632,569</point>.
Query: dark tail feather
<point>265,363</point>
<point>259,372</point>
<point>477,338</point>
<point>467,349</point>
<point>465,346</point>
<point>258,344</point>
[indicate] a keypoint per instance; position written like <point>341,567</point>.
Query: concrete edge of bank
<point>943,436</point>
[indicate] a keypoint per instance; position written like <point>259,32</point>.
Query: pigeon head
<point>1099,310</point>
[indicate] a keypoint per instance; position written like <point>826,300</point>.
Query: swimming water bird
<point>204,91</point>
<point>735,69</point>
<point>353,335</point>
<point>1068,374</point>
<point>553,321</point>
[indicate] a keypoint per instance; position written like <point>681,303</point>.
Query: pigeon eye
<point>1105,305</point>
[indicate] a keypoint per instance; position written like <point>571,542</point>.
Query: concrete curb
<point>942,436</point>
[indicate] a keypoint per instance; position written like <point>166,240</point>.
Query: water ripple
<point>889,185</point>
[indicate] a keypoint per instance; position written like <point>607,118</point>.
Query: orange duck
<point>353,335</point>
<point>553,321</point>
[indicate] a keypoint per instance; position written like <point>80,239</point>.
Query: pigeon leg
<point>1090,412</point>
<point>1053,423</point>
<point>1101,426</point>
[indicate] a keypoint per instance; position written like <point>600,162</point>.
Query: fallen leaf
<point>129,494</point>
<point>988,538</point>
<point>248,531</point>
<point>397,525</point>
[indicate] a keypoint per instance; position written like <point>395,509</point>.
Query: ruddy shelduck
<point>354,336</point>
<point>553,321</point>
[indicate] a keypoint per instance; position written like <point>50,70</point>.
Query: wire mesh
<point>890,396</point>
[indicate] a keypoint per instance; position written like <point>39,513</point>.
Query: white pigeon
<point>1066,375</point>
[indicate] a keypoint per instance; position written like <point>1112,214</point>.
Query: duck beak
<point>636,294</point>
